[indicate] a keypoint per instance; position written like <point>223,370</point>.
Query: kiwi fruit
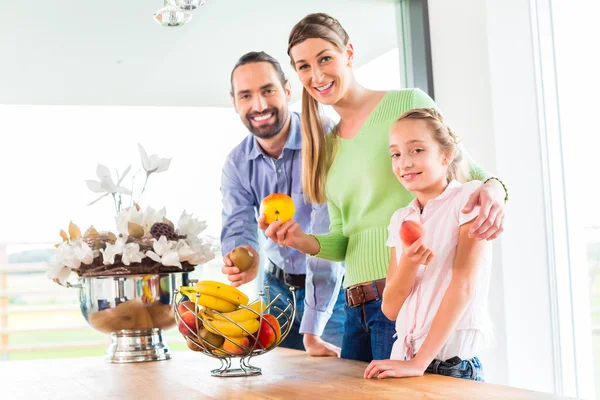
<point>212,338</point>
<point>241,258</point>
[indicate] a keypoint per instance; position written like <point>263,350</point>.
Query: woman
<point>351,170</point>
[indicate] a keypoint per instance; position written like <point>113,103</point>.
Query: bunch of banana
<point>225,311</point>
<point>228,328</point>
<point>215,296</point>
<point>222,291</point>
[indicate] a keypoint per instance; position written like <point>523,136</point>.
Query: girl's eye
<point>418,150</point>
<point>325,59</point>
<point>303,66</point>
<point>395,155</point>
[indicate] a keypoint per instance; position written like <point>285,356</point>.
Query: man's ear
<point>233,102</point>
<point>288,90</point>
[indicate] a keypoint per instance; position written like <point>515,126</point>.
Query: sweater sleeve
<point>334,243</point>
<point>476,172</point>
<point>420,99</point>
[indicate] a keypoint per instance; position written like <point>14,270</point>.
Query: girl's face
<point>323,69</point>
<point>417,160</point>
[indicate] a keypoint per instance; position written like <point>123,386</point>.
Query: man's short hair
<point>255,57</point>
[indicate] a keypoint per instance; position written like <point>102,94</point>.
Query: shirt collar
<point>293,142</point>
<point>414,205</point>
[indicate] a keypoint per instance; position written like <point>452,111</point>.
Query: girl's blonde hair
<point>445,137</point>
<point>317,148</point>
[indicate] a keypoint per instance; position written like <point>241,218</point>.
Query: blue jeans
<point>368,333</point>
<point>457,368</point>
<point>294,340</point>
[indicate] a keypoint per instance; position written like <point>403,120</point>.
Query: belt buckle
<point>362,297</point>
<point>288,280</point>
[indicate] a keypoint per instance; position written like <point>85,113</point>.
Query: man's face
<point>260,99</point>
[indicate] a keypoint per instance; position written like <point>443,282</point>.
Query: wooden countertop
<point>287,374</point>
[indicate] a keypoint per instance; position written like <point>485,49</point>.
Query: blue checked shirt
<point>248,176</point>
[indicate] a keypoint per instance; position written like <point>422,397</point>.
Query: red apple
<point>230,345</point>
<point>277,206</point>
<point>267,337</point>
<point>186,306</point>
<point>410,232</point>
<point>189,319</point>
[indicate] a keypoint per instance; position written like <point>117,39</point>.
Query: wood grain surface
<point>287,374</point>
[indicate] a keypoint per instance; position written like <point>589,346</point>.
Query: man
<point>268,161</point>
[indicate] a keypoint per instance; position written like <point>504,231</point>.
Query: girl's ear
<point>350,53</point>
<point>448,158</point>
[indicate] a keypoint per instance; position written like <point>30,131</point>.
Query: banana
<point>208,301</point>
<point>241,314</point>
<point>227,328</point>
<point>222,291</point>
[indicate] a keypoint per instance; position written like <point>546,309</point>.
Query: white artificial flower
<point>105,184</point>
<point>111,250</point>
<point>203,251</point>
<point>129,215</point>
<point>151,216</point>
<point>189,225</point>
<point>153,164</point>
<point>164,252</point>
<point>58,273</point>
<point>72,254</point>
<point>184,251</point>
<point>132,254</point>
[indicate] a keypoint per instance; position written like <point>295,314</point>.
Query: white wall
<point>483,69</point>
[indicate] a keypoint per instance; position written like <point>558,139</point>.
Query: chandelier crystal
<point>187,4</point>
<point>172,16</point>
<point>177,12</point>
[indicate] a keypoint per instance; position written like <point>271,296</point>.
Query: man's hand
<point>394,369</point>
<point>234,275</point>
<point>317,347</point>
<point>490,221</point>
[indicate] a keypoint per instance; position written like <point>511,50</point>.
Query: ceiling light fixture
<point>177,12</point>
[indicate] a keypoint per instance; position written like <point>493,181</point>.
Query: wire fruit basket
<point>220,328</point>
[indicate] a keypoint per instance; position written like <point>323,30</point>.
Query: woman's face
<point>323,69</point>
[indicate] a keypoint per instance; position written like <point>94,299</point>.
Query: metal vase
<point>134,310</point>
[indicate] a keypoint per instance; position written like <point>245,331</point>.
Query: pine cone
<point>159,229</point>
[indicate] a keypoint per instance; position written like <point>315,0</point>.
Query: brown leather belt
<point>358,295</point>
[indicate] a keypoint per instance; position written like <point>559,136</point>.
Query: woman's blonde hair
<point>317,148</point>
<point>445,137</point>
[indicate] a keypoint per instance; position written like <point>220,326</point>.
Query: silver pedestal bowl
<point>134,310</point>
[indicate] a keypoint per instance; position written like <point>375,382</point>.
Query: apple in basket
<point>267,337</point>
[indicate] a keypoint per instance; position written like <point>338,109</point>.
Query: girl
<point>439,303</point>
<point>350,170</point>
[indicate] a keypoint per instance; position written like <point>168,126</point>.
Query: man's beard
<point>267,131</point>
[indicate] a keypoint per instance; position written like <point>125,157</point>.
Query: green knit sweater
<point>363,192</point>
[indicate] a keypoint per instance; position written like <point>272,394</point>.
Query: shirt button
<point>287,260</point>
<point>279,170</point>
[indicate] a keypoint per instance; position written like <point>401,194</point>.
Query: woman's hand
<point>490,221</point>
<point>381,369</point>
<point>416,254</point>
<point>286,234</point>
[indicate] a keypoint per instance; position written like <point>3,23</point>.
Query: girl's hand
<point>286,234</point>
<point>381,369</point>
<point>416,254</point>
